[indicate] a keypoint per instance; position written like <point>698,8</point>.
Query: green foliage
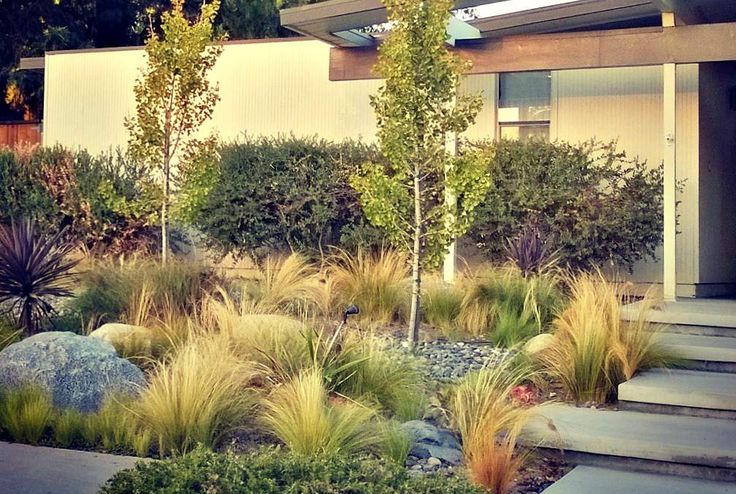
<point>395,442</point>
<point>25,413</point>
<point>416,109</point>
<point>286,193</point>
<point>592,203</point>
<point>69,428</point>
<point>442,305</point>
<point>502,304</point>
<point>105,201</point>
<point>275,472</point>
<point>9,332</point>
<point>173,95</point>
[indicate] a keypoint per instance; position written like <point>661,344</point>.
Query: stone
<point>432,442</point>
<point>125,336</point>
<point>433,462</point>
<point>78,371</point>
<point>538,343</point>
<point>452,456</point>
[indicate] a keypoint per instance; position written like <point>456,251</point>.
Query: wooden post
<point>670,174</point>
<point>450,262</point>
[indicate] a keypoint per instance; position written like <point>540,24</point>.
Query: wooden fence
<point>14,133</point>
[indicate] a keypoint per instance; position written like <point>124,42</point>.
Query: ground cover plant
<point>272,471</point>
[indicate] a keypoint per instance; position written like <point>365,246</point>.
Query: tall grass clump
<point>377,282</point>
<point>503,304</point>
<point>196,395</point>
<point>594,349</point>
<point>395,442</point>
<point>302,415</point>
<point>26,413</point>
<point>284,285</point>
<point>68,427</point>
<point>442,305</point>
<point>137,291</point>
<point>489,422</point>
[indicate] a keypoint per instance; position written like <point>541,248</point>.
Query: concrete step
<point>594,480</point>
<point>704,394</point>
<point>699,330</point>
<point>692,446</point>
<point>711,353</point>
<point>690,312</point>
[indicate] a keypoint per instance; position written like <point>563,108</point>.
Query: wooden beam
<point>586,50</point>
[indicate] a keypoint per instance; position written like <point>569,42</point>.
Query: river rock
<point>77,371</point>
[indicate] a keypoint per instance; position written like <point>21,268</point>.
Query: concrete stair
<point>711,353</point>
<point>687,446</point>
<point>682,392</point>
<point>594,480</point>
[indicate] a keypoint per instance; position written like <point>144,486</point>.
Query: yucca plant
<point>34,270</point>
<point>301,414</point>
<point>530,251</point>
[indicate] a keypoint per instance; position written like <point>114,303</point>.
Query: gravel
<point>448,361</point>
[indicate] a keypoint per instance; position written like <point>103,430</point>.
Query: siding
<point>626,104</point>
<point>266,88</point>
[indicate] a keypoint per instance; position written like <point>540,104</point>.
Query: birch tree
<point>174,96</point>
<point>417,107</point>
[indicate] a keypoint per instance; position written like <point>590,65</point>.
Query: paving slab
<point>694,312</point>
<point>712,390</point>
<point>39,470</point>
<point>666,438</point>
<point>704,348</point>
<point>596,480</point>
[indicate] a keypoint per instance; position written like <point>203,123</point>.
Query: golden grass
<point>489,423</point>
<point>284,285</point>
<point>594,349</point>
<point>68,427</point>
<point>378,283</point>
<point>197,395</point>
<point>301,415</point>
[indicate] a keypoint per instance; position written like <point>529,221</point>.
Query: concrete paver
<point>28,469</point>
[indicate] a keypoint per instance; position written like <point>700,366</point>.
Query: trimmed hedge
<point>275,472</point>
<point>286,193</point>
<point>591,201</point>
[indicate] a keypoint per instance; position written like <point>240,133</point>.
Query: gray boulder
<point>77,371</point>
<point>432,442</point>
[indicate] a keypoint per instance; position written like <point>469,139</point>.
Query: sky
<point>508,6</point>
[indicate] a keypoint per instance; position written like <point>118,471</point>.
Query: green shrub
<point>286,193</point>
<point>108,202</point>
<point>275,472</point>
<point>25,413</point>
<point>596,205</point>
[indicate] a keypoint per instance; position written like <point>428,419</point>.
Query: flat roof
<point>339,22</point>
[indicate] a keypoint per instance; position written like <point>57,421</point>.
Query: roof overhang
<point>31,63</point>
<point>340,22</point>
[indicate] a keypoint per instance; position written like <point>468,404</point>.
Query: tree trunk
<point>165,203</point>
<point>416,271</point>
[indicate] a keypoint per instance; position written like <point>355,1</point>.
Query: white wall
<point>626,104</point>
<point>266,88</point>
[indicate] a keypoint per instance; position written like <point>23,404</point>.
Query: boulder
<point>126,338</point>
<point>78,371</point>
<point>432,442</point>
<point>538,343</point>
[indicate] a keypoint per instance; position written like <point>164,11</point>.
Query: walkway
<point>38,470</point>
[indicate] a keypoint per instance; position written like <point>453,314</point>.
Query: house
<point>659,76</point>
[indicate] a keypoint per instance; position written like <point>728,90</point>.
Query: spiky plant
<point>34,270</point>
<point>531,252</point>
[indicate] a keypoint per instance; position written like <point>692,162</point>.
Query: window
<point>524,105</point>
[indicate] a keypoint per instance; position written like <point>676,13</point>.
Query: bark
<point>416,271</point>
<point>165,202</point>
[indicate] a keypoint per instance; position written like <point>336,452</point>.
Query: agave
<point>34,270</point>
